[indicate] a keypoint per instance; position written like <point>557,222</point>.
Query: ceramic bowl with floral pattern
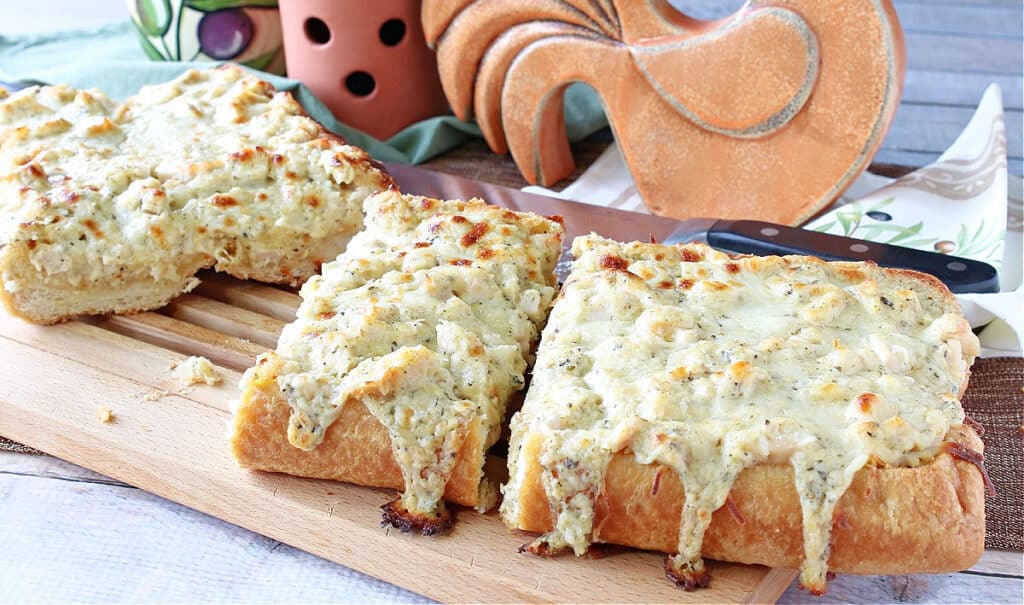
<point>243,31</point>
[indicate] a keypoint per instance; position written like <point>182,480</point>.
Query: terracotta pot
<point>367,61</point>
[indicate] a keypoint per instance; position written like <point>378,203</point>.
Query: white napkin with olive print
<point>963,204</point>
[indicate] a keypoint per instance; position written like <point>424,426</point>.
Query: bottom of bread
<point>891,520</point>
<point>43,298</point>
<point>48,304</point>
<point>356,448</point>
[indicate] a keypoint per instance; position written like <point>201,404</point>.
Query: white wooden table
<point>68,534</point>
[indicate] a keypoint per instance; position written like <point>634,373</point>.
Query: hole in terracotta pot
<point>360,83</point>
<point>317,31</point>
<point>392,32</point>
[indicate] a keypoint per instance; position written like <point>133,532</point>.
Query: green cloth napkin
<point>110,58</point>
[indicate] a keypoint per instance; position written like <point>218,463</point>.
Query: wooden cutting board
<point>170,440</point>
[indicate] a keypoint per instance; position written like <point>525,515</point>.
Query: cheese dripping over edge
<point>708,364</point>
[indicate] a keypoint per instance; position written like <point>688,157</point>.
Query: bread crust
<point>356,448</point>
<point>891,520</point>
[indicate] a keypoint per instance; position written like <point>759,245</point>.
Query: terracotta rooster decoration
<point>769,113</point>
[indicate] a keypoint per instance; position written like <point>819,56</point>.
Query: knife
<point>739,236</point>
<point>761,238</point>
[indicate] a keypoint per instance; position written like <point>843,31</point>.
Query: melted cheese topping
<point>428,318</point>
<point>708,364</point>
<point>213,166</point>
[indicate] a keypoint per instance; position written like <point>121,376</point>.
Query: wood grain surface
<point>168,439</point>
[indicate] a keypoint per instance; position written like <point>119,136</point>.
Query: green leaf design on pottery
<point>983,242</point>
<point>154,16</point>
<point>261,62</point>
<point>216,5</point>
<point>906,233</point>
<point>151,51</point>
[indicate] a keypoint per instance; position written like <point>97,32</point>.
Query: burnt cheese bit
<point>93,227</point>
<point>687,578</point>
<point>962,452</point>
<point>37,171</point>
<point>690,255</point>
<point>242,156</point>
<point>395,515</point>
<point>615,263</point>
<point>224,201</point>
<point>474,234</point>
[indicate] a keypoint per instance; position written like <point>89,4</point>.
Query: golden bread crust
<point>893,520</point>
<point>355,449</point>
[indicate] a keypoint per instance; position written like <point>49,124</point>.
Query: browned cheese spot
<point>865,401</point>
<point>614,263</point>
<point>92,226</point>
<point>242,156</point>
<point>224,201</point>
<point>475,233</point>
<point>690,256</point>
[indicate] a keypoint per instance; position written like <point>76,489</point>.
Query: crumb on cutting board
<point>196,370</point>
<point>104,414</point>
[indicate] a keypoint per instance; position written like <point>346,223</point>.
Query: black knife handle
<point>755,237</point>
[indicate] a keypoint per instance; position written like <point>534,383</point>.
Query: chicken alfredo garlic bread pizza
<point>781,411</point>
<point>113,207</point>
<point>404,354</point>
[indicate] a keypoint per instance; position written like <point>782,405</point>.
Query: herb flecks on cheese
<point>428,319</point>
<point>708,364</point>
<point>214,168</point>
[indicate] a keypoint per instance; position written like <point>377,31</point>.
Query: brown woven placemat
<point>995,398</point>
